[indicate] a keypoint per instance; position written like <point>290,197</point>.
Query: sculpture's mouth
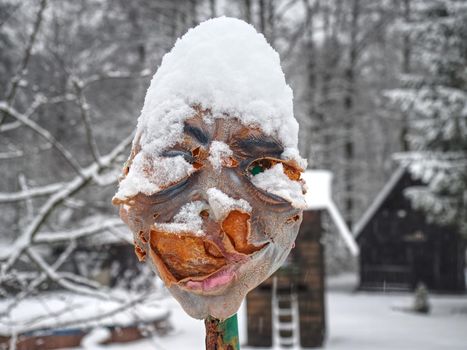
<point>205,264</point>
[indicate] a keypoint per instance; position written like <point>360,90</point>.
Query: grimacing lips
<point>210,274</point>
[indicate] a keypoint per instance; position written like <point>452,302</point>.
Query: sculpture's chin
<point>202,306</point>
<point>229,288</point>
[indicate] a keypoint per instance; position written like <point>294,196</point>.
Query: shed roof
<point>378,201</point>
<point>319,196</point>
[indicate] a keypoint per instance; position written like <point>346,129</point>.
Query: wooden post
<point>222,335</point>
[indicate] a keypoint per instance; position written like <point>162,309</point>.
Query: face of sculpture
<point>216,232</point>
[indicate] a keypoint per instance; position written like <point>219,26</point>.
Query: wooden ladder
<point>285,318</point>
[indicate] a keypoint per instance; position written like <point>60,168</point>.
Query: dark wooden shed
<point>293,298</point>
<point>288,309</point>
<point>400,248</point>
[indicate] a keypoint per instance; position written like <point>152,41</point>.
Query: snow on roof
<point>225,66</point>
<point>318,183</point>
<point>378,201</point>
<point>319,196</point>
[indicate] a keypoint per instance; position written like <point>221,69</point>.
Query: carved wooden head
<point>216,207</point>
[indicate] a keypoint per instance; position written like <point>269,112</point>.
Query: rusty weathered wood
<point>222,335</point>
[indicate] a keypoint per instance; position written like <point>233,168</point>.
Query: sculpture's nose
<point>233,216</point>
<point>218,203</point>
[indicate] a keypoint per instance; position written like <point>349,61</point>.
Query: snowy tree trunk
<point>349,111</point>
<point>406,53</point>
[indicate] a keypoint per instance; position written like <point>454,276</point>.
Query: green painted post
<point>222,335</point>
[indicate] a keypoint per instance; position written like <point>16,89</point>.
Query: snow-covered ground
<point>355,321</point>
<point>374,321</point>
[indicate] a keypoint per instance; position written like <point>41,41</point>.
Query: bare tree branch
<point>110,75</point>
<point>25,239</point>
<point>14,83</point>
<point>72,286</point>
<point>44,133</point>
<point>40,279</point>
<point>39,101</point>
<point>29,206</point>
<point>84,109</point>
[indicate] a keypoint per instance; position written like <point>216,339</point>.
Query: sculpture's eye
<point>279,179</point>
<point>260,165</point>
<point>185,154</point>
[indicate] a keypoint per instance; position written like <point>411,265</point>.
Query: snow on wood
<point>342,228</point>
<point>150,174</point>
<point>221,204</point>
<point>275,181</point>
<point>319,196</point>
<point>187,220</point>
<point>318,183</point>
<point>97,336</point>
<point>217,152</point>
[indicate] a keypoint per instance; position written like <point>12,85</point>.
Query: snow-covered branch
<point>6,197</point>
<point>36,282</point>
<point>81,311</point>
<point>26,238</point>
<point>111,75</point>
<point>49,237</point>
<point>63,282</point>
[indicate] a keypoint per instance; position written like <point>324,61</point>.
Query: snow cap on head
<point>224,65</point>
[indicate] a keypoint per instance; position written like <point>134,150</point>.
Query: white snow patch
<point>291,153</point>
<point>218,151</point>
<point>65,310</point>
<point>224,65</point>
<point>97,336</point>
<point>318,183</point>
<point>319,196</point>
<point>275,181</point>
<point>221,204</point>
<point>188,219</point>
<point>355,321</point>
<point>149,175</point>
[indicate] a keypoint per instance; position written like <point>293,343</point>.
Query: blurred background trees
<point>432,96</point>
<point>370,78</point>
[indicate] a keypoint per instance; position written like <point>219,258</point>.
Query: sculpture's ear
<point>135,149</point>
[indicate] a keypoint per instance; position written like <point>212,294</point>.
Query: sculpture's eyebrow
<point>197,133</point>
<point>259,143</point>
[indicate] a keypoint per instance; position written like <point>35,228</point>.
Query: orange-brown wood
<point>185,255</point>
